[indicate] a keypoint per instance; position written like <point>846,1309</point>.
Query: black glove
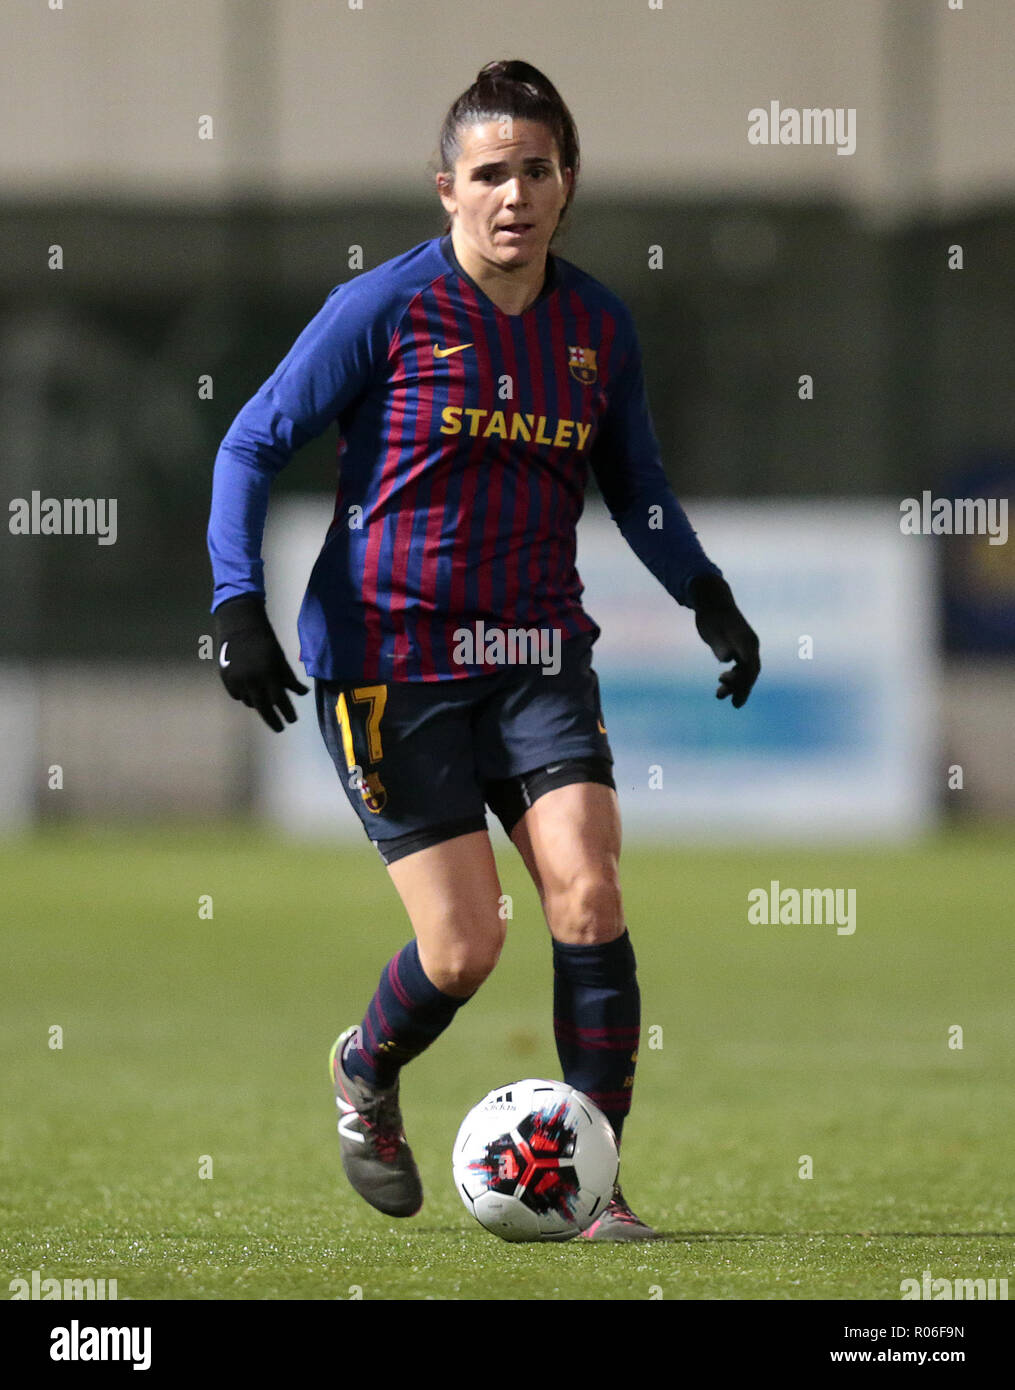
<point>251,663</point>
<point>724,628</point>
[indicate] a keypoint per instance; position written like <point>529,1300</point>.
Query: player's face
<point>508,191</point>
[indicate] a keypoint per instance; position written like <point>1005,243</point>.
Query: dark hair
<point>516,89</point>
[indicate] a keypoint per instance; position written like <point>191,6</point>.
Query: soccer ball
<point>535,1160</point>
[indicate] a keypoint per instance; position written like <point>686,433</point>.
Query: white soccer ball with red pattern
<point>535,1160</point>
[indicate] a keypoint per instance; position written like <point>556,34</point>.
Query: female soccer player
<point>476,380</point>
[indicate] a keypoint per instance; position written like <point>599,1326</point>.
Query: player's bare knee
<point>461,980</point>
<point>461,969</point>
<point>589,909</point>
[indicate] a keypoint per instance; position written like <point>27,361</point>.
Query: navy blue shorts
<point>421,760</point>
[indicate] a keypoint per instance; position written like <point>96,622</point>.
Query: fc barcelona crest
<point>581,363</point>
<point>371,789</point>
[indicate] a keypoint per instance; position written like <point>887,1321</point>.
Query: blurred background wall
<point>152,278</point>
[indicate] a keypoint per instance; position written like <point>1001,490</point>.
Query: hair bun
<point>510,70</point>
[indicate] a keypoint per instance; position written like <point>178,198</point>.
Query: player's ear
<point>445,185</point>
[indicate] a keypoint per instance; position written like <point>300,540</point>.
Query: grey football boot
<point>375,1155</point>
<point>618,1222</point>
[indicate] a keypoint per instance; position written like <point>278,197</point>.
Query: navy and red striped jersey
<point>466,439</point>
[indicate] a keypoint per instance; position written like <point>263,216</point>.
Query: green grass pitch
<point>185,1037</point>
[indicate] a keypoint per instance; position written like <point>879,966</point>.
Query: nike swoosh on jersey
<point>446,352</point>
<point>223,662</point>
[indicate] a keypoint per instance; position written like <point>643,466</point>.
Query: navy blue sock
<point>404,1017</point>
<point>597,1022</point>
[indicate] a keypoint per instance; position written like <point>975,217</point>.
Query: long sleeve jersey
<point>466,438</point>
